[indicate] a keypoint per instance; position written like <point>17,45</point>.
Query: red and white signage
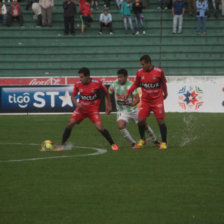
<point>48,81</point>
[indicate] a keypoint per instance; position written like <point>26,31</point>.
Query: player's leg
<point>152,135</point>
<point>125,133</point>
<point>106,135</point>
<point>159,113</point>
<point>142,115</point>
<point>75,118</point>
<point>68,130</point>
<point>148,129</point>
<point>66,134</point>
<point>163,129</point>
<point>94,116</point>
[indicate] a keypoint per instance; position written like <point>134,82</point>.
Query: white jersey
<point>119,92</point>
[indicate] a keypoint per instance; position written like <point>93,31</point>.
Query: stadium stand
<point>46,51</point>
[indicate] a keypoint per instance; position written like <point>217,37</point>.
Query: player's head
<point>84,75</point>
<point>122,76</point>
<point>145,61</point>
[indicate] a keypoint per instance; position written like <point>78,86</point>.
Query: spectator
<point>119,3</point>
<point>86,16</point>
<point>191,5</point>
<point>81,3</point>
<point>106,3</point>
<point>202,7</point>
<point>213,6</point>
<point>126,10</point>
<point>15,12</point>
<point>3,13</point>
<point>163,4</point>
<point>36,10</point>
<point>106,21</point>
<point>37,13</point>
<point>222,8</point>
<point>94,4</point>
<point>46,11</point>
<point>137,9</point>
<point>69,15</point>
<point>178,10</point>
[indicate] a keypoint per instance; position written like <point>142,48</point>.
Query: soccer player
<point>152,81</point>
<point>126,109</point>
<point>88,106</point>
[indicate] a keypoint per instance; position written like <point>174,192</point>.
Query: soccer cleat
<point>114,147</point>
<point>157,143</point>
<point>140,144</point>
<point>59,148</point>
<point>135,146</point>
<point>163,145</point>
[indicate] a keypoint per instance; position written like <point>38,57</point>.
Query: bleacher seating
<point>38,51</point>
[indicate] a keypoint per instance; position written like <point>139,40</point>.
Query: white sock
<point>127,135</point>
<point>151,134</point>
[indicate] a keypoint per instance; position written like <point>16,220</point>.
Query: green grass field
<point>181,185</point>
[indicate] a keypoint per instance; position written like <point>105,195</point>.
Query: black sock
<point>66,135</point>
<point>163,132</point>
<point>141,128</point>
<point>106,135</point>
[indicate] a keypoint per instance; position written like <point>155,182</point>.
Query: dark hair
<point>85,71</point>
<point>146,58</point>
<point>122,71</point>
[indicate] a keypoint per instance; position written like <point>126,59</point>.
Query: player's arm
<point>77,104</point>
<point>133,87</point>
<point>136,100</point>
<point>108,105</point>
<point>74,94</point>
<point>164,86</point>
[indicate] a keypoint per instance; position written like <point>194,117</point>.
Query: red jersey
<point>89,94</point>
<point>86,9</point>
<point>153,85</point>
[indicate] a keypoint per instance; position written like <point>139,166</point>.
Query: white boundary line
<point>99,151</point>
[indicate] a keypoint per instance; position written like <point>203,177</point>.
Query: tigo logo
<point>23,99</point>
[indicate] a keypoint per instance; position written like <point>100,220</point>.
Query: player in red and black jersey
<point>152,81</point>
<point>87,106</point>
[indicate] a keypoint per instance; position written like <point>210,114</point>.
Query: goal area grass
<point>91,184</point>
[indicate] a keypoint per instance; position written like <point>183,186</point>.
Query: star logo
<point>190,98</point>
<point>66,100</point>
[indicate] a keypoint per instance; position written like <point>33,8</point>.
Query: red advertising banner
<point>48,81</point>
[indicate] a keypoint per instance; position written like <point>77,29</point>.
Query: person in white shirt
<point>46,11</point>
<point>105,21</point>
<point>37,13</point>
<point>3,13</point>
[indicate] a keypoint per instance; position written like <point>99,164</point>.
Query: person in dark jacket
<point>69,14</point>
<point>137,9</point>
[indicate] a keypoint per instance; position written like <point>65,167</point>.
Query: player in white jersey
<point>126,109</point>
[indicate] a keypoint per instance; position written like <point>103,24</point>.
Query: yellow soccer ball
<point>47,145</point>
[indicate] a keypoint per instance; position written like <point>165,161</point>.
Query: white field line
<point>98,151</point>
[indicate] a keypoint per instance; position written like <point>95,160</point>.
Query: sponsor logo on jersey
<point>89,97</point>
<point>150,85</point>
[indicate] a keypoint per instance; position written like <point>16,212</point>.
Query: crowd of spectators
<point>129,9</point>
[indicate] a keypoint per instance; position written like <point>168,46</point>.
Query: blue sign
<point>36,99</point>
